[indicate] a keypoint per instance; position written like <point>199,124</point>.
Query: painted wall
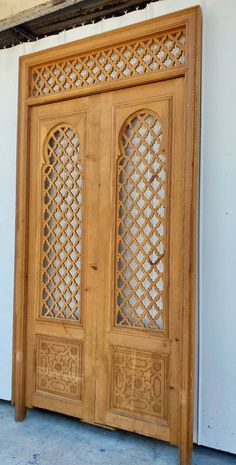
<point>215,418</point>
<point>217,342</point>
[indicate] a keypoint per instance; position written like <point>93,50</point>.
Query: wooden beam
<point>82,12</point>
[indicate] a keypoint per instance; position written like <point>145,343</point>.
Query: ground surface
<point>46,438</point>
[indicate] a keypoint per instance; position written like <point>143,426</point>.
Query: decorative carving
<point>59,367</point>
<point>140,247</point>
<point>152,54</point>
<point>139,383</point>
<point>62,226</point>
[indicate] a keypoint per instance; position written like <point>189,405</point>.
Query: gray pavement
<point>47,438</point>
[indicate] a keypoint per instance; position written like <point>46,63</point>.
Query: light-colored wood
<point>114,85</point>
<point>141,328</point>
<point>60,353</point>
<point>192,132</point>
<point>148,55</point>
<point>168,346</point>
<point>21,248</point>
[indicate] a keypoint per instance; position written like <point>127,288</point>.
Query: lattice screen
<point>141,196</point>
<point>62,226</point>
<point>136,58</point>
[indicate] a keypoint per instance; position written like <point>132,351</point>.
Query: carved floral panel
<point>59,367</point>
<point>139,383</point>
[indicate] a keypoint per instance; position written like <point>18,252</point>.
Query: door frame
<point>35,71</point>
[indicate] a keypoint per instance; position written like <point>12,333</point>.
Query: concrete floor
<point>46,438</point>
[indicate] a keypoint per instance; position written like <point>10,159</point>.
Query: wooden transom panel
<point>138,57</point>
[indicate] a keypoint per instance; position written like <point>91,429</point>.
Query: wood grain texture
<point>21,249</point>
<point>62,224</point>
<point>59,367</point>
<point>127,258</point>
<point>170,95</point>
<point>140,223</point>
<point>139,383</point>
<point>149,55</point>
<point>61,281</point>
<point>192,131</point>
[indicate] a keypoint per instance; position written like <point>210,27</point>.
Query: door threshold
<point>101,425</point>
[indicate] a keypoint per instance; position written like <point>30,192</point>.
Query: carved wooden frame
<point>188,20</point>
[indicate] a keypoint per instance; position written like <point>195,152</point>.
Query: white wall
<point>217,341</point>
<point>8,98</point>
<point>215,388</point>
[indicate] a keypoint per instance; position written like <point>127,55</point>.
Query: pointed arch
<point>61,247</point>
<point>141,223</point>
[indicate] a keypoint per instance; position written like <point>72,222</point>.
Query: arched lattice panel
<point>141,224</point>
<point>62,226</point>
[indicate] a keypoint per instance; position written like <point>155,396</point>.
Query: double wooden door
<point>104,259</point>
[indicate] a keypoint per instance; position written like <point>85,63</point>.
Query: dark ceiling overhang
<point>81,13</point>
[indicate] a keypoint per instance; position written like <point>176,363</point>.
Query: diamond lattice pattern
<point>141,197</point>
<point>135,58</point>
<point>62,228</point>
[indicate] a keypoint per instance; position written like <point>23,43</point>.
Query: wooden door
<point>140,244</point>
<point>105,241</point>
<point>107,333</point>
<point>61,308</point>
